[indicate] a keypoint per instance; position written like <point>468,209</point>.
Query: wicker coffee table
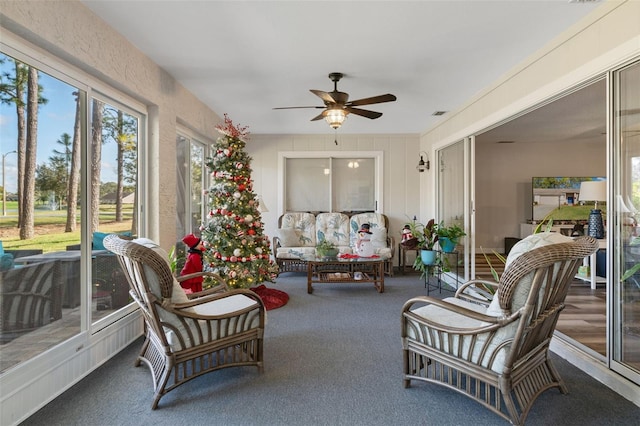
<point>350,270</point>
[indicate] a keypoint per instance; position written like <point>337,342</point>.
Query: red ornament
<point>251,232</point>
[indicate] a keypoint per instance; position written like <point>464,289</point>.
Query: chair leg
<point>140,356</point>
<point>556,376</point>
<point>406,382</point>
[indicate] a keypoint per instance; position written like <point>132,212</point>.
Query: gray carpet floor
<point>331,358</point>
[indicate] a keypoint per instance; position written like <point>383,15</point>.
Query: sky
<point>54,118</point>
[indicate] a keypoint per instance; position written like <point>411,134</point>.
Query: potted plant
<point>449,236</point>
<point>327,249</point>
<point>427,237</point>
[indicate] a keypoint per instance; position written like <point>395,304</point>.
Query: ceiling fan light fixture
<point>335,117</point>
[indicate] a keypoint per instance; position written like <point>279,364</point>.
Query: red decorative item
<point>234,131</point>
<point>271,297</point>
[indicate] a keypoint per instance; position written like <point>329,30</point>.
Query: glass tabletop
<point>342,258</point>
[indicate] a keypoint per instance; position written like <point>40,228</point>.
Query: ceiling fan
<point>337,105</point>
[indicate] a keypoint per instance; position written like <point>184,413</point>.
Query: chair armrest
<point>391,243</point>
<point>492,323</point>
<point>220,287</point>
<point>481,296</point>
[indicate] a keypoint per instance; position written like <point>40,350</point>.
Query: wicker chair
<point>30,297</point>
<point>498,353</point>
<point>188,337</point>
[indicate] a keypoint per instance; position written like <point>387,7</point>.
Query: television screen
<point>558,198</point>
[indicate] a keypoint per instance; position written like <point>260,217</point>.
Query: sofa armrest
<point>274,247</point>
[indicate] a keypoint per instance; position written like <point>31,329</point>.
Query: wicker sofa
<point>299,232</point>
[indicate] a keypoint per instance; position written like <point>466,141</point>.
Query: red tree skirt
<point>271,297</point>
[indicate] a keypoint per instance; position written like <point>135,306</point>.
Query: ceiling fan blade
<point>373,100</point>
<point>325,96</point>
<point>363,112</point>
<point>317,107</point>
<point>318,117</point>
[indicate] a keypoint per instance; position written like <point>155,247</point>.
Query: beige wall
<point>503,181</point>
<point>601,42</point>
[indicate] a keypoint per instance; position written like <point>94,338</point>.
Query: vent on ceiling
<point>437,113</point>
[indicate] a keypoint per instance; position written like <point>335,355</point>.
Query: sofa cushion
<point>289,237</point>
<point>304,225</point>
<point>375,221</point>
<point>334,227</point>
<point>295,252</point>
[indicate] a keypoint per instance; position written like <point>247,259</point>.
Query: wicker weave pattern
<point>306,222</point>
<point>199,343</point>
<point>465,359</point>
<point>30,297</point>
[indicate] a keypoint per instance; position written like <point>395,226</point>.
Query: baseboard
<point>596,369</point>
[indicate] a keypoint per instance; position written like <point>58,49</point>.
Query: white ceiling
<point>246,57</point>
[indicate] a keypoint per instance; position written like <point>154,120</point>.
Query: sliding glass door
<point>453,183</point>
<point>625,300</point>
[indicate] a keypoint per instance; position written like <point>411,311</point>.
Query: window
<point>65,184</point>
<point>315,182</point>
<point>192,179</point>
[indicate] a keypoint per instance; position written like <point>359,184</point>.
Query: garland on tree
<point>237,250</point>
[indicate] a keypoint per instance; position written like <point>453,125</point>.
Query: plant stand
<point>435,271</point>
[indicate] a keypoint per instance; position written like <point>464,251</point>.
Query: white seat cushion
<point>460,344</point>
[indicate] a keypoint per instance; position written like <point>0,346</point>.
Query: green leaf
<point>630,272</point>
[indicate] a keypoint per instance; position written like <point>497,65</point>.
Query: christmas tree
<point>236,248</point>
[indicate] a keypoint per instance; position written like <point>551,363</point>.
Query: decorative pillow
<point>288,237</point>
<point>177,294</point>
<point>98,240</point>
<point>522,290</point>
<point>6,262</point>
<point>379,237</point>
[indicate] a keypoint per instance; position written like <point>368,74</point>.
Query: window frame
<point>91,87</point>
<point>377,156</point>
<point>190,138</point>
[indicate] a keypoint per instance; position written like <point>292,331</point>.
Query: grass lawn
<point>49,228</point>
